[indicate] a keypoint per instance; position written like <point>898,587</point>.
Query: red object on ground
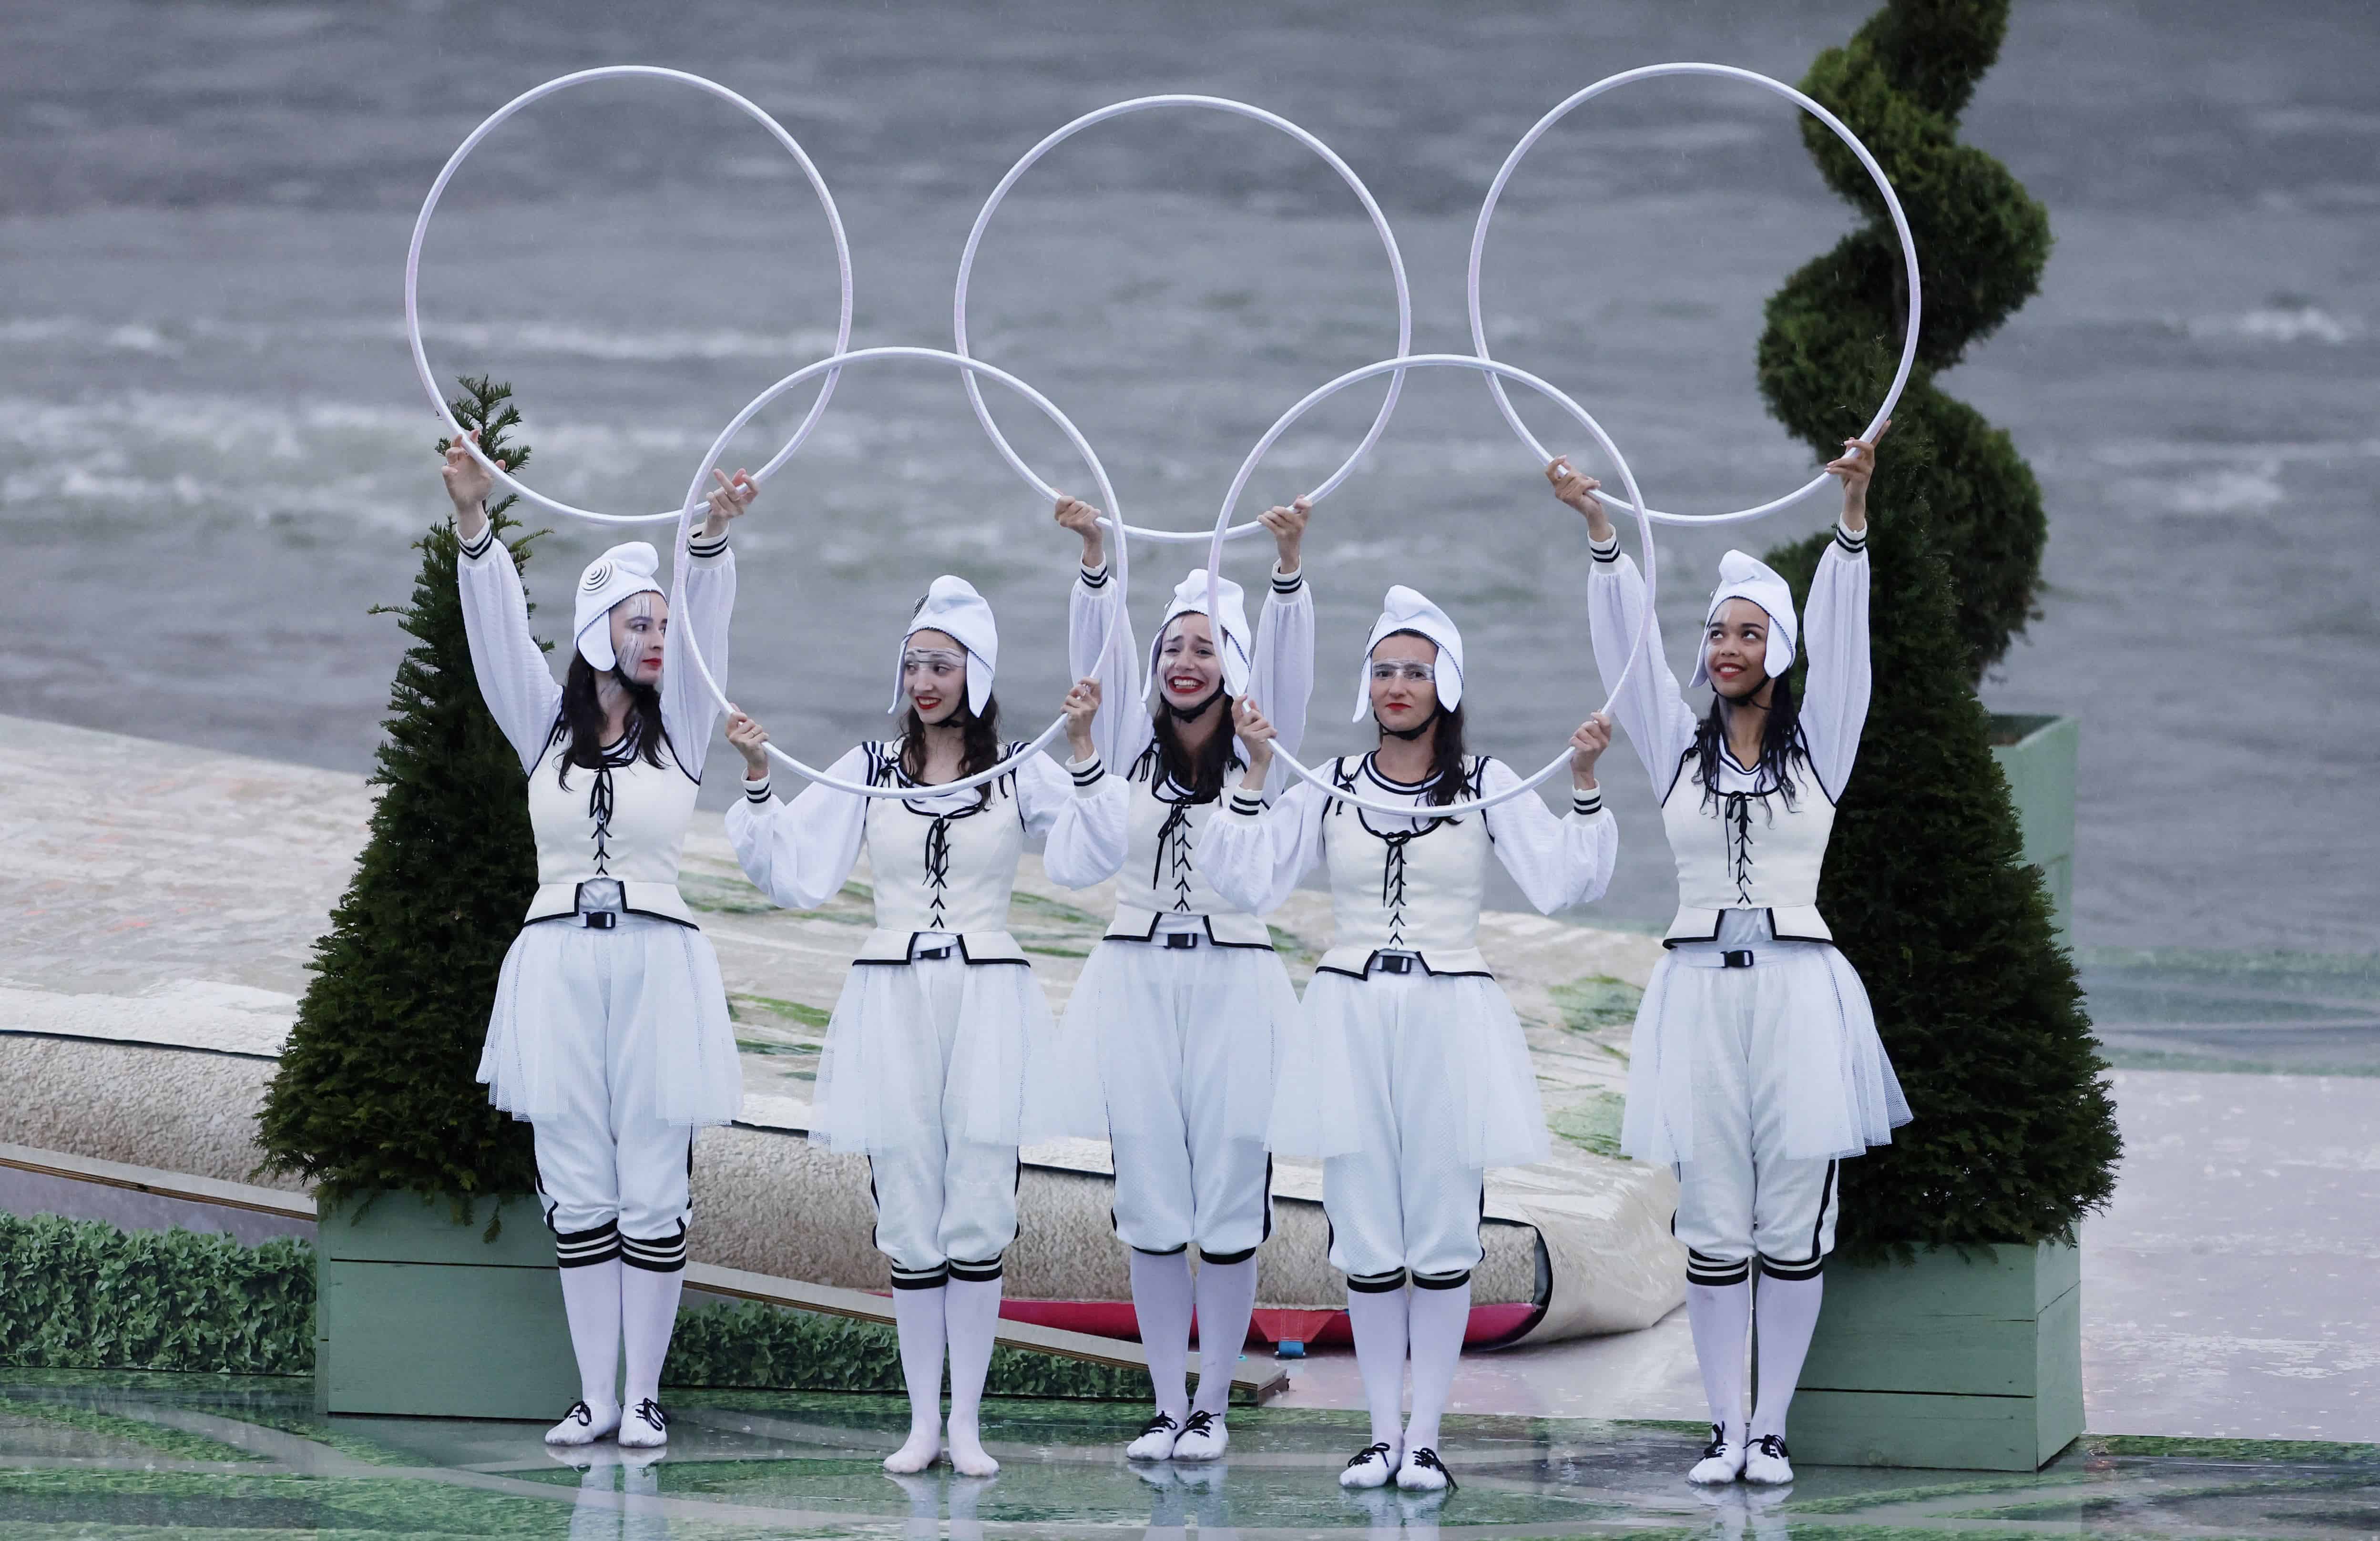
<point>1114,1319</point>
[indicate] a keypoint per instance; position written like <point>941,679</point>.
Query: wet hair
<point>980,744</point>
<point>1781,743</point>
<point>582,721</point>
<point>1201,772</point>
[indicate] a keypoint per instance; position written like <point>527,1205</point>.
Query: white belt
<point>1712,957</point>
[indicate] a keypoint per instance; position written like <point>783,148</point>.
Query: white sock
<point>590,1297</point>
<point>1379,1323</point>
<point>648,1317</point>
<point>1721,1316</point>
<point>918,1318</point>
<point>1227,1297</point>
<point>1160,1302</point>
<point>971,1314</point>
<point>1789,1314</point>
<point>1438,1318</point>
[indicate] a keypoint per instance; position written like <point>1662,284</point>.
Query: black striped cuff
<point>1244,802</point>
<point>1852,544</point>
<point>1287,584</point>
<point>974,1273</point>
<point>1226,1260</point>
<point>475,549</point>
<point>1441,1280</point>
<point>584,1249</point>
<point>757,791</point>
<point>1586,802</point>
<point>1604,552</point>
<point>1096,578</point>
<point>1811,1269</point>
<point>1377,1283</point>
<point>1717,1271</point>
<point>665,1256</point>
<point>697,546</point>
<point>1087,774</point>
<point>920,1279</point>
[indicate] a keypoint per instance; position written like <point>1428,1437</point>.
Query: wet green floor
<point>127,1455</point>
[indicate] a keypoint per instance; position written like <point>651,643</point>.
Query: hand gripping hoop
<point>1221,104</point>
<point>1724,72</point>
<point>1492,368</point>
<point>830,367</point>
<point>454,162</point>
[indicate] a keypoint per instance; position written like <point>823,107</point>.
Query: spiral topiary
<point>1834,330</point>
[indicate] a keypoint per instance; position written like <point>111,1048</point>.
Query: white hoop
<point>1491,368</point>
<point>1724,72</point>
<point>1221,104</point>
<point>835,364</point>
<point>438,189</point>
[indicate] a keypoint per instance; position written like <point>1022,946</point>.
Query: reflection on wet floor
<point>129,1455</point>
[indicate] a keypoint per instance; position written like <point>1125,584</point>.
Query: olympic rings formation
<point>454,163</point>
<point>1493,369</point>
<point>1221,104</point>
<point>1724,72</point>
<point>830,367</point>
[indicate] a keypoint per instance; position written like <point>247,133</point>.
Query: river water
<point>212,451</point>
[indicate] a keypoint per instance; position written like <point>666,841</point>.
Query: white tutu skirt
<point>1145,1017</point>
<point>937,1050</point>
<point>645,996</point>
<point>1803,1007</point>
<point>1457,1030</point>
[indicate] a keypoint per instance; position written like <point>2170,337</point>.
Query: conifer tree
<point>377,1088</point>
<point>2014,1137</point>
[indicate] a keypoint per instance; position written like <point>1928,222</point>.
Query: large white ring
<point>1221,104</point>
<point>1491,368</point>
<point>1725,72</point>
<point>828,365</point>
<point>454,162</point>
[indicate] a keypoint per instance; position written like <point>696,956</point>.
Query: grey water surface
<point>213,452</point>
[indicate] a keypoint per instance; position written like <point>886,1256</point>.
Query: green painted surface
<point>445,1340</point>
<point>2040,771</point>
<point>408,1228</point>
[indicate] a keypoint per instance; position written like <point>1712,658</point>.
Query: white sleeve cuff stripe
<point>1095,577</point>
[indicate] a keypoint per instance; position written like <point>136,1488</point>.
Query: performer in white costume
<point>939,1058</point>
<point>1421,1077</point>
<point>1184,1009</point>
<point>1755,1066</point>
<point>610,1031</point>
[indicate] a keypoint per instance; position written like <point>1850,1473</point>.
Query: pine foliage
<point>2014,1137</point>
<point>1834,331</point>
<point>377,1088</point>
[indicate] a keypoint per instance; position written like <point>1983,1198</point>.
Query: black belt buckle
<point>1182,940</point>
<point>1739,958</point>
<point>599,920</point>
<point>1394,962</point>
<point>928,954</point>
<point>598,901</point>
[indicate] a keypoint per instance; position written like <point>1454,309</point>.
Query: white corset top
<point>626,820</point>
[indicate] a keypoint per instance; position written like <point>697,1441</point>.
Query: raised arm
<point>1254,856</point>
<point>514,679</point>
<point>1079,806</point>
<point>1650,706</point>
<point>689,711</point>
<point>1834,628</point>
<point>1121,729</point>
<point>1557,862</point>
<point>1280,677</point>
<point>801,853</point>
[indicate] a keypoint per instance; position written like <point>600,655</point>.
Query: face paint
<point>638,625</point>
<point>1413,672</point>
<point>935,679</point>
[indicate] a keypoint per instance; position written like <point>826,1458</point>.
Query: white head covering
<point>1190,598</point>
<point>1408,610</point>
<point>953,605</point>
<point>625,569</point>
<point>1748,578</point>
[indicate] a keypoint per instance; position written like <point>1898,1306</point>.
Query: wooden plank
<point>409,1228</point>
<point>165,1184</point>
<point>445,1340</point>
<point>1906,1429</point>
<point>2058,1381</point>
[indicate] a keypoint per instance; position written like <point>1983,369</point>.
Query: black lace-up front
<point>1736,820</point>
<point>1174,852</point>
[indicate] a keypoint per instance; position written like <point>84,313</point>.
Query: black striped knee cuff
<point>1441,1280</point>
<point>1702,1269</point>
<point>584,1249</point>
<point>974,1273</point>
<point>1226,1258</point>
<point>1162,1251</point>
<point>1772,1269</point>
<point>1376,1284</point>
<point>921,1279</point>
<point>666,1254</point>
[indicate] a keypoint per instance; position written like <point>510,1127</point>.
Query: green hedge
<point>81,1294</point>
<point>769,1348</point>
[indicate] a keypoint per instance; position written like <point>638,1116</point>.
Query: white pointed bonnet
<point>1409,609</point>
<point>625,569</point>
<point>1748,578</point>
<point>952,605</point>
<point>1190,598</point>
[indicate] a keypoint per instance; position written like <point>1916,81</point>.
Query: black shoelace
<point>1717,1446</point>
<point>580,1411</point>
<point>650,1411</point>
<point>1201,1422</point>
<point>1770,1444</point>
<point>1160,1424</point>
<point>1367,1453</point>
<point>1426,1458</point>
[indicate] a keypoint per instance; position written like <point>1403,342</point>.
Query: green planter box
<point>418,1316</point>
<point>1966,1360</point>
<point>2037,755</point>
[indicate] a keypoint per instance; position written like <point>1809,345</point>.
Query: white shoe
<point>583,1425</point>
<point>1765,1462</point>
<point>1372,1467</point>
<point>646,1427</point>
<point>1156,1441</point>
<point>1204,1438</point>
<point>1722,1458</point>
<point>1422,1472</point>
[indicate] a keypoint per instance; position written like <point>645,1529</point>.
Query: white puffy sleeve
<point>1834,634</point>
<point>1281,678</point>
<point>801,853</point>
<point>689,712</point>
<point>1121,729</point>
<point>1651,708</point>
<point>1557,862</point>
<point>1081,808</point>
<point>514,679</point>
<point>1253,855</point>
